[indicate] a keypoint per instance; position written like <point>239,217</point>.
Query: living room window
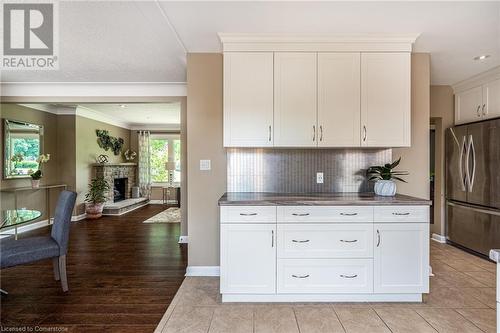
<point>165,148</point>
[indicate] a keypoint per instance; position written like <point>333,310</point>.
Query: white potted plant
<point>384,175</point>
<point>96,197</point>
<point>37,175</point>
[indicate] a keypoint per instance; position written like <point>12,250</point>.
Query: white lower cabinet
<point>401,258</point>
<point>325,276</point>
<point>248,258</point>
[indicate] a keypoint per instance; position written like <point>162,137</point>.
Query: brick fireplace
<point>121,177</point>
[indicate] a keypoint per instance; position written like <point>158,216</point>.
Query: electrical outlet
<point>319,177</point>
<point>204,165</point>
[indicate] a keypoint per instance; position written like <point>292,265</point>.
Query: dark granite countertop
<point>316,199</point>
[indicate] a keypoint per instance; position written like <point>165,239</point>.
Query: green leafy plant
<point>386,172</point>
<point>43,158</point>
<point>36,175</point>
<point>98,189</point>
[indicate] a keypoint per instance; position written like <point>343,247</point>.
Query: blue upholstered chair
<point>27,250</point>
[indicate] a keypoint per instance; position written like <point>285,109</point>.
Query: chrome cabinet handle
<point>348,214</point>
<point>300,276</point>
<point>314,133</point>
<point>477,111</point>
<point>300,214</point>
<point>348,241</point>
<point>378,238</point>
<point>401,214</point>
<point>272,238</point>
<point>348,276</point>
<point>248,214</point>
<point>269,133</point>
<point>482,110</point>
<point>300,241</point>
<point>364,133</point>
<point>321,133</point>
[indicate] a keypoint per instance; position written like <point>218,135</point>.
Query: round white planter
<point>385,188</point>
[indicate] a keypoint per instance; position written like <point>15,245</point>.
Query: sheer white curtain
<point>145,163</point>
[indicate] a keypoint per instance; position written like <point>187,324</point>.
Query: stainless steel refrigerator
<point>473,185</point>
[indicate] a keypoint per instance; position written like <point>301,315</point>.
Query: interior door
<point>248,258</point>
<point>484,163</point>
<point>456,147</point>
<point>295,100</point>
<point>338,99</point>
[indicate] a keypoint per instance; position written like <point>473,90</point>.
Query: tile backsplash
<point>294,170</point>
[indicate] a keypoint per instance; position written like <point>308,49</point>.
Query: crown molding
<point>477,80</point>
<point>93,89</point>
<point>251,42</point>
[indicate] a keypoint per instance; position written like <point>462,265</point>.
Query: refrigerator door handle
<point>463,148</point>
<point>471,152</point>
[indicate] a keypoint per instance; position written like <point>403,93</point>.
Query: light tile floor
<point>462,299</point>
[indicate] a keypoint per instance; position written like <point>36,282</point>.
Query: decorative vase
<point>35,183</point>
<point>385,188</point>
<point>94,211</point>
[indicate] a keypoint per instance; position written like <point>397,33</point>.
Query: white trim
<point>128,211</point>
<point>157,127</point>
<point>93,89</point>
<point>183,239</point>
<point>477,80</point>
<point>322,298</point>
<point>203,271</point>
<point>156,202</point>
<point>438,238</point>
<point>238,42</point>
<point>80,217</point>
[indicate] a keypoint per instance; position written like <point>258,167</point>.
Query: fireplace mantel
<point>114,164</point>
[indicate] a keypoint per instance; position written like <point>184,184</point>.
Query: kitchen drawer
<point>417,214</point>
<point>306,276</point>
<point>248,214</point>
<point>288,214</point>
<point>308,240</point>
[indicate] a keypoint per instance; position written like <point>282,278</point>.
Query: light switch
<point>319,177</point>
<point>204,165</point>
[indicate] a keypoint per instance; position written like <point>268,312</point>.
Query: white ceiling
<point>145,41</point>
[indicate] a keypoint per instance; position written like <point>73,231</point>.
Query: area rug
<point>171,215</point>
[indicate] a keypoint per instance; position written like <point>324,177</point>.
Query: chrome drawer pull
<point>401,214</point>
<point>349,241</point>
<point>248,214</point>
<point>300,214</point>
<point>300,241</point>
<point>348,276</point>
<point>300,276</point>
<point>348,214</point>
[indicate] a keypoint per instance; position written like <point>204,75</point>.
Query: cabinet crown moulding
<point>234,42</point>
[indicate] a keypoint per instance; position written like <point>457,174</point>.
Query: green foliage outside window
<point>159,158</point>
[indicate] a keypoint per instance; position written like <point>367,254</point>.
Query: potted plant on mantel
<point>37,175</point>
<point>96,197</point>
<point>385,176</point>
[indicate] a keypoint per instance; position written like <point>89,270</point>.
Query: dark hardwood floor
<point>122,276</point>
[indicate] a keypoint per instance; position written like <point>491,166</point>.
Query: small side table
<point>166,193</point>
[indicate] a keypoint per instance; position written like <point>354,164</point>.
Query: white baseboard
<point>183,239</point>
<point>321,298</point>
<point>79,217</point>
<point>203,271</point>
<point>438,238</point>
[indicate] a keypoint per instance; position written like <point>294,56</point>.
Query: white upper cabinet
<point>248,99</point>
<point>491,99</point>
<point>339,99</point>
<point>385,99</point>
<point>295,99</point>
<point>468,105</point>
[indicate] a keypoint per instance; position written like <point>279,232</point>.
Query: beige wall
<point>51,170</point>
<point>415,159</point>
<point>204,141</point>
<point>442,116</point>
<point>87,151</point>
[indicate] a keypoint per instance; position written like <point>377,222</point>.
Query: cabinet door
<point>468,105</point>
<point>248,99</point>
<point>338,99</point>
<point>401,258</point>
<point>491,99</point>
<point>295,100</point>
<point>385,99</point>
<point>248,259</point>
